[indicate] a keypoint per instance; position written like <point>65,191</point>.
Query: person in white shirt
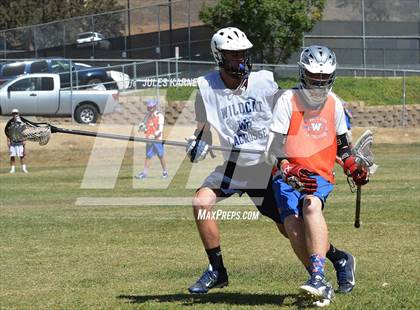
<point>16,147</point>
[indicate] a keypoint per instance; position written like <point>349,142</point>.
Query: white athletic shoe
<point>318,290</point>
<point>25,170</point>
<point>141,176</point>
<point>12,171</point>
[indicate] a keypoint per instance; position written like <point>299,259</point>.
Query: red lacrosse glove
<point>298,177</point>
<point>359,174</point>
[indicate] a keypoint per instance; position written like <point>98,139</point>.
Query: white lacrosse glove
<point>142,127</point>
<point>196,149</point>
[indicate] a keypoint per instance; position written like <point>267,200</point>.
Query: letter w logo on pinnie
<point>316,126</point>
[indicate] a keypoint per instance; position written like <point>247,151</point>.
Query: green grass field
<point>55,254</point>
<point>387,91</point>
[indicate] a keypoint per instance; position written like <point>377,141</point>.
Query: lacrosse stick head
<point>363,151</point>
<point>24,131</point>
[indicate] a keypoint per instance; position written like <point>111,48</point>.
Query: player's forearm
<point>202,126</point>
<point>275,147</point>
<point>343,147</point>
<point>158,132</point>
<point>202,132</point>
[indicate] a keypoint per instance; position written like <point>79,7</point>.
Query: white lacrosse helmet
<point>231,39</point>
<point>317,65</point>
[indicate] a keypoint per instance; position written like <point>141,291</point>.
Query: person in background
<point>152,127</point>
<point>16,148</point>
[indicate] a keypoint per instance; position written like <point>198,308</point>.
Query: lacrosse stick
<point>41,133</point>
<point>364,157</point>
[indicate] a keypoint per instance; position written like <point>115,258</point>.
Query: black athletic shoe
<point>346,269</point>
<point>208,280</point>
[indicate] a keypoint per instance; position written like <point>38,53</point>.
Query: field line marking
<point>156,201</point>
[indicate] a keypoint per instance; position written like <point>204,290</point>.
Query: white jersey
<point>241,118</point>
<point>283,113</point>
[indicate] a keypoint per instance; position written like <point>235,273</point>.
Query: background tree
<point>275,27</point>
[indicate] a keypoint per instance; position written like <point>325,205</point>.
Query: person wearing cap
<point>16,147</point>
<point>152,127</point>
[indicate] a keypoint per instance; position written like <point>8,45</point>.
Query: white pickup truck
<point>39,94</point>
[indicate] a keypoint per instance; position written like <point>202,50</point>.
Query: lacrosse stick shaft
<point>358,205</point>
<point>145,140</point>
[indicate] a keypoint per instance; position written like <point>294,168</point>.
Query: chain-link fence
<point>157,78</point>
<point>362,33</point>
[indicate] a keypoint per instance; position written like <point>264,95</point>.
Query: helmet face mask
<point>236,63</point>
<point>230,51</point>
<point>317,67</point>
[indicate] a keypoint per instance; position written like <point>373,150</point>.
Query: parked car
<point>122,80</point>
<point>86,39</point>
<point>41,94</point>
<point>82,74</point>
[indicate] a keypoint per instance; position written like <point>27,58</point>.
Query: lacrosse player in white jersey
<point>16,147</point>
<point>237,103</point>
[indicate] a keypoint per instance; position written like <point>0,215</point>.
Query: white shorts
<point>16,150</point>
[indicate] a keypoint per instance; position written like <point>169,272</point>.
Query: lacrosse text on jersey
<point>248,137</point>
<point>240,117</point>
<point>309,131</point>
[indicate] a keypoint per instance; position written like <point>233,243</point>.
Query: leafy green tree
<point>275,27</point>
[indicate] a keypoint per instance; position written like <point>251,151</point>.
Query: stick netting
<point>24,131</point>
<point>363,151</point>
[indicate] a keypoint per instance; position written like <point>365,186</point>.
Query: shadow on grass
<point>221,298</point>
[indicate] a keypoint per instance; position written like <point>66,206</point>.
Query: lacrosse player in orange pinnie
<point>307,132</point>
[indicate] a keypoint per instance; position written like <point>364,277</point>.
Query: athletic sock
<point>334,254</point>
<point>215,258</point>
<point>317,264</point>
